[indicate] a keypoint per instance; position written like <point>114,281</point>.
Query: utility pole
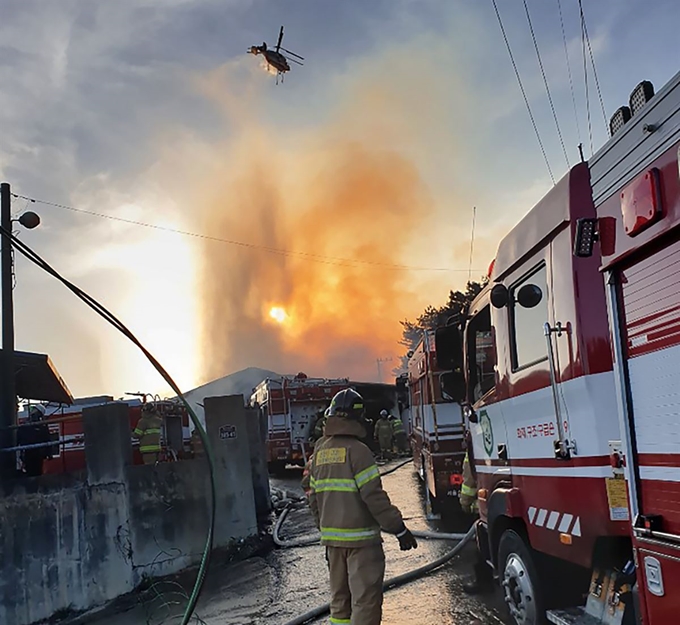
<point>8,396</point>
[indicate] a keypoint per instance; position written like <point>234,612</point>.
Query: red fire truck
<point>576,421</point>
<point>290,405</point>
<point>436,430</point>
<point>66,428</point>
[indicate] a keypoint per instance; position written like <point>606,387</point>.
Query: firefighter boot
<point>483,580</point>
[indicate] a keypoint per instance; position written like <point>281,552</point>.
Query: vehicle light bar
<point>619,119</point>
<point>642,94</point>
<point>586,235</point>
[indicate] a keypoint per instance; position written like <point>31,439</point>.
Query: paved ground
<point>275,588</point>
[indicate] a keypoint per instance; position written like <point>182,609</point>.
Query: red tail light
<point>456,479</point>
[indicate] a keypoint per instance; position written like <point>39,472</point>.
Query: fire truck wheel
<point>519,580</point>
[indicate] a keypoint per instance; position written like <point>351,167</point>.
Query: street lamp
<point>8,398</point>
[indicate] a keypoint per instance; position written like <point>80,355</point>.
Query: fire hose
<point>315,539</point>
<point>389,584</point>
<point>393,582</point>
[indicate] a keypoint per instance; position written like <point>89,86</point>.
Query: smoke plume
<point>329,211</point>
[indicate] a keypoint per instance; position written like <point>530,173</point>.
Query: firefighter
<point>350,508</point>
<point>398,435</point>
<point>483,578</point>
<point>320,425</point>
<point>196,444</point>
<point>383,434</point>
<point>34,434</point>
<point>148,431</point>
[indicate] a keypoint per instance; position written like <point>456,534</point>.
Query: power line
<point>592,61</point>
<point>521,87</point>
<point>571,80</point>
<point>318,258</point>
<point>545,83</point>
<point>585,76</point>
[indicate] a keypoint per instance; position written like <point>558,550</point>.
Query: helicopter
<point>276,59</point>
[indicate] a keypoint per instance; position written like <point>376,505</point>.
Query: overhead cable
<point>592,61</point>
<point>571,79</point>
<point>317,258</point>
<point>524,94</point>
<point>585,79</point>
<point>545,83</point>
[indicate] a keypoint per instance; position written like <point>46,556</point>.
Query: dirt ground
<point>284,583</point>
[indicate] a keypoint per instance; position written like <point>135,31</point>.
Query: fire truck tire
<point>519,580</point>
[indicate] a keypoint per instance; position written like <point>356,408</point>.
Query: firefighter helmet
<point>383,413</point>
<point>348,404</point>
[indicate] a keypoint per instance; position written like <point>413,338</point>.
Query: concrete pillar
<point>108,442</point>
<point>227,429</point>
<point>258,463</point>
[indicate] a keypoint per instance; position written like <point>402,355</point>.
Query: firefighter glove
<point>406,540</point>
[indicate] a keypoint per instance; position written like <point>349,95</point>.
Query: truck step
<point>571,616</point>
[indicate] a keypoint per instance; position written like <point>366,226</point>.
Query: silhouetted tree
<point>432,318</point>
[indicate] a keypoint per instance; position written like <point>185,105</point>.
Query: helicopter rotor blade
<point>293,60</point>
<point>278,43</point>
<point>293,54</point>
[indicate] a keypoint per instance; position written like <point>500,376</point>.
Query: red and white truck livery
<point>576,436</point>
<point>437,435</point>
<point>65,424</point>
<point>289,406</point>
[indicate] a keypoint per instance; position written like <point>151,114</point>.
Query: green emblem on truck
<point>487,432</point>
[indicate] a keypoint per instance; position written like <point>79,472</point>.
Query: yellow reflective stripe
<point>152,431</point>
<point>149,448</point>
<point>331,484</point>
<point>349,535</point>
<point>138,432</point>
<point>340,621</point>
<point>468,490</point>
<point>364,477</point>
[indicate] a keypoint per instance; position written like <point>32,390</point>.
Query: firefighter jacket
<point>148,431</point>
<point>306,477</point>
<point>397,426</point>
<point>319,427</point>
<point>383,430</point>
<point>468,491</point>
<point>346,494</point>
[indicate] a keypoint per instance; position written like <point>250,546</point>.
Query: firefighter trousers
<point>356,577</point>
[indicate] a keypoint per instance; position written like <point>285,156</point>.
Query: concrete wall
<point>74,541</point>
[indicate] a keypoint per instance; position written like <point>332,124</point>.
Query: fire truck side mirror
<point>529,296</point>
<point>499,296</point>
<point>448,346</point>
<point>452,384</point>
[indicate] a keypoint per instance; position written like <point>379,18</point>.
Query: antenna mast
<point>472,242</point>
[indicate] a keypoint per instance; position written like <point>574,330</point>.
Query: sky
<point>363,165</point>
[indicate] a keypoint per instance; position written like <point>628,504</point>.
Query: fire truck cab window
<point>528,340</point>
<point>482,355</point>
